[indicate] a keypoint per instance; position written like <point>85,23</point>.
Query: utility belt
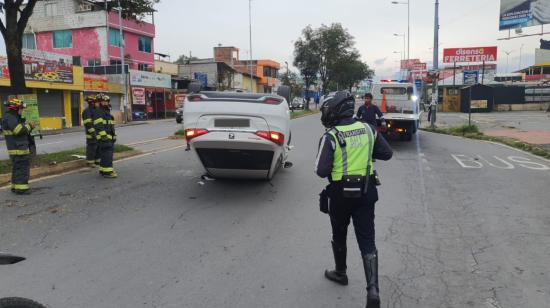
<point>350,187</point>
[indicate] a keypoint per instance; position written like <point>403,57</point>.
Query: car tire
<point>17,302</point>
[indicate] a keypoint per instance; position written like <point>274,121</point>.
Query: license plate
<point>232,122</point>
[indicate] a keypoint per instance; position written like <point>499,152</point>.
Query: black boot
<point>370,263</point>
<point>338,275</point>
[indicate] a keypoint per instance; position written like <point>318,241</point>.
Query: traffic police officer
<point>88,116</point>
<point>345,157</point>
<point>17,134</point>
<point>104,126</point>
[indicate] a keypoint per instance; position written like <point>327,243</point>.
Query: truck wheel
<point>16,302</point>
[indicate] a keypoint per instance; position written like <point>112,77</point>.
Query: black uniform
<point>104,126</point>
<point>92,150</point>
<point>342,209</point>
<point>17,134</point>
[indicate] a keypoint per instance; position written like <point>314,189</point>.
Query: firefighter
<point>17,134</point>
<point>88,116</point>
<point>345,157</point>
<point>104,126</point>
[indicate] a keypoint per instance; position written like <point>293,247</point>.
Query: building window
<point>116,62</point>
<point>50,9</point>
<point>63,39</point>
<point>94,62</point>
<point>144,67</point>
<point>114,38</point>
<point>28,41</point>
<point>144,44</point>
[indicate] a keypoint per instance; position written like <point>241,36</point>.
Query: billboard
<point>523,13</point>
<point>470,54</point>
<point>138,96</point>
<point>43,66</point>
<point>419,66</point>
<point>96,83</point>
<point>150,79</point>
<point>408,64</point>
<point>471,77</point>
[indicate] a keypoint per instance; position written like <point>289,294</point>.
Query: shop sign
<point>138,95</point>
<point>43,66</point>
<point>97,83</point>
<point>470,54</point>
<point>150,79</point>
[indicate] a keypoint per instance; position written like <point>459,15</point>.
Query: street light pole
<point>408,3</point>
<point>435,91</point>
<point>250,32</point>
<point>122,63</point>
<point>508,52</point>
<point>520,54</point>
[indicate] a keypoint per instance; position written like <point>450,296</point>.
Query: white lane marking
<point>527,163</point>
<point>50,143</point>
<point>146,141</point>
<point>465,159</point>
<point>507,164</point>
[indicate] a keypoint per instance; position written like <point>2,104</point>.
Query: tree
<point>17,15</point>
<point>348,71</point>
<point>306,58</point>
<point>183,59</point>
<point>291,79</point>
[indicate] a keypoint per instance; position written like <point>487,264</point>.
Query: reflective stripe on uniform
<point>7,132</point>
<point>20,186</point>
<point>87,121</point>
<point>17,129</point>
<point>99,121</point>
<point>353,151</point>
<point>19,152</point>
<point>111,122</point>
<point>91,130</point>
<point>106,169</point>
<point>88,136</point>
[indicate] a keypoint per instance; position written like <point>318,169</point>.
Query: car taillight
<point>275,137</point>
<point>273,101</point>
<point>191,133</point>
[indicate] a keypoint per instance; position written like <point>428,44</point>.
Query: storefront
<point>151,93</point>
<point>112,85</point>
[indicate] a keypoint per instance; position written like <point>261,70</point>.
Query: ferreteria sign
<point>472,54</point>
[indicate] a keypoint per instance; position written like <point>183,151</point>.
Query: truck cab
<point>399,101</point>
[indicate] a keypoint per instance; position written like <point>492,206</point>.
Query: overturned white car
<point>238,135</point>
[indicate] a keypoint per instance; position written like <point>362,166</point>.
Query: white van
<point>401,110</point>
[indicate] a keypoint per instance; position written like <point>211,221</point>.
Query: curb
<point>40,172</point>
<point>304,115</point>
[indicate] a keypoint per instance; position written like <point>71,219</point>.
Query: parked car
<point>139,115</point>
<point>179,115</point>
<point>298,103</point>
<point>238,135</point>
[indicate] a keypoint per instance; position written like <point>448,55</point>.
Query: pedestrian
<point>317,100</point>
<point>431,108</point>
<point>346,152</point>
<point>88,116</point>
<point>368,112</point>
<point>104,126</point>
<point>17,134</point>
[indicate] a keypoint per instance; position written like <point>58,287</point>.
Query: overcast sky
<point>185,26</point>
<point>198,26</point>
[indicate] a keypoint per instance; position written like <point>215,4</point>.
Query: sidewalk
<point>81,128</point>
<point>528,126</point>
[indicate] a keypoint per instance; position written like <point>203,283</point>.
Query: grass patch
<point>302,113</point>
<point>472,132</point>
<point>180,133</point>
<point>42,160</point>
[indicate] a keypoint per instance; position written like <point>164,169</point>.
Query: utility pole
<point>250,30</point>
<point>122,62</point>
<point>435,91</point>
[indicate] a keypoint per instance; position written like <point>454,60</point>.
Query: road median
<point>43,165</point>
<point>473,132</point>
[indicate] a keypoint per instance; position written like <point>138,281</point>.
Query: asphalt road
<point>125,135</point>
<point>460,223</point>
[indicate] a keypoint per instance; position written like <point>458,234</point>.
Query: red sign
<point>408,64</point>
<point>474,54</point>
<point>97,83</point>
<point>138,95</point>
<point>150,109</point>
<point>419,67</point>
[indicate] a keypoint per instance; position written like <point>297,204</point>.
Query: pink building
<point>89,34</point>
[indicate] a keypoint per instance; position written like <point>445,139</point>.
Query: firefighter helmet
<point>15,104</point>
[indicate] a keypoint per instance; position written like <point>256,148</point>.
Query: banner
<point>43,66</point>
<point>96,83</point>
<point>30,113</point>
<point>149,79</point>
<point>471,77</point>
<point>471,54</point>
<point>138,96</point>
<point>523,13</point>
<point>202,78</point>
<point>408,64</point>
<point>419,66</point>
